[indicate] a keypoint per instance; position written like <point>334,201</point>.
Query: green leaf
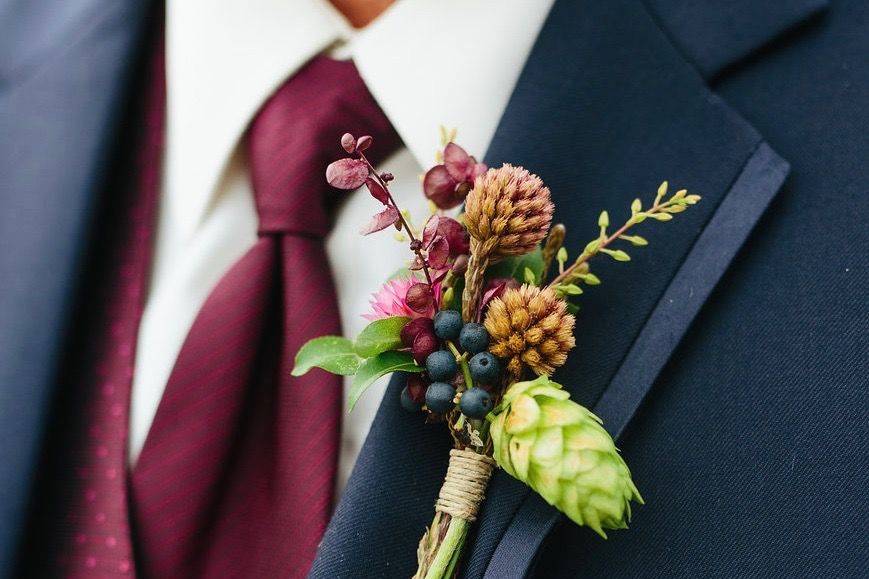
<point>590,279</point>
<point>635,240</point>
<point>380,365</point>
<point>529,276</point>
<point>380,336</point>
<point>592,246</point>
<point>604,219</point>
<point>515,266</point>
<point>617,254</point>
<point>569,289</point>
<point>334,354</point>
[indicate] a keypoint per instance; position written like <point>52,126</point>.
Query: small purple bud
<point>387,177</point>
<point>415,245</point>
<point>424,344</point>
<point>412,328</point>
<point>364,142</point>
<point>348,142</point>
<point>419,298</point>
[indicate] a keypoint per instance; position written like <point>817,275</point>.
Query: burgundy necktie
<point>236,477</point>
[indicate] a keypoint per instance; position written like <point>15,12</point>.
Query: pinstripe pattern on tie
<point>237,474</point>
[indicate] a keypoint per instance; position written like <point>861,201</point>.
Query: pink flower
<point>391,300</point>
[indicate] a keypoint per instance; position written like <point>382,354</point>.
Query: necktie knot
<point>296,135</point>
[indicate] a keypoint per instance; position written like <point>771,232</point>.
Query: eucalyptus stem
<point>415,244</point>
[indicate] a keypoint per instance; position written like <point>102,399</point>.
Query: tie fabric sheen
<point>236,477</point>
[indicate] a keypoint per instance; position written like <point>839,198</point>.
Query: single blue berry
<point>407,401</point>
<point>485,368</point>
<point>441,366</point>
<point>447,324</point>
<point>474,338</point>
<point>439,397</point>
<point>476,403</point>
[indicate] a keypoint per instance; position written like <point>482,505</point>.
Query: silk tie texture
<point>81,526</point>
<point>237,475</point>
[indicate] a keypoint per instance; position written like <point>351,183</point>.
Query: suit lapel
<point>62,82</point>
<point>605,109</point>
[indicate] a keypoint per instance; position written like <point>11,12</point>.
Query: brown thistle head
<point>530,326</point>
<point>508,211</point>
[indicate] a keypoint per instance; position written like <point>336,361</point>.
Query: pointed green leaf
<point>617,254</point>
<point>569,289</point>
<point>590,278</point>
<point>380,365</point>
<point>334,354</point>
<point>604,219</point>
<point>380,336</point>
<point>635,240</point>
<point>529,277</point>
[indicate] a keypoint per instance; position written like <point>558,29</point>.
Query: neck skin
<point>360,13</point>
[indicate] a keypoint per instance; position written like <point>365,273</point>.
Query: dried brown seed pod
<point>530,326</point>
<point>508,212</point>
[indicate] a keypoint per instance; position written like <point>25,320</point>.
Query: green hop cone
<point>560,450</point>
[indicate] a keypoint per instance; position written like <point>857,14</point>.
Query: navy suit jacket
<point>729,357</point>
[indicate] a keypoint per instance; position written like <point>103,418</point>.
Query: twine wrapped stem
<point>465,484</point>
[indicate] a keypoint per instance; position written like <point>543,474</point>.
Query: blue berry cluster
<point>438,391</point>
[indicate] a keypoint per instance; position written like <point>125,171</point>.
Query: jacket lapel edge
<point>735,218</point>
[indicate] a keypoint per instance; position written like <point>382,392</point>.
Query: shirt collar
<point>451,62</point>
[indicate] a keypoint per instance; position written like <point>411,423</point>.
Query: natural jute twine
<point>465,484</point>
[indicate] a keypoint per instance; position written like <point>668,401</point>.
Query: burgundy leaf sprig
<point>353,172</point>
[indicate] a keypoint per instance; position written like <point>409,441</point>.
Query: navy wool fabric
<point>752,448</point>
<point>63,79</point>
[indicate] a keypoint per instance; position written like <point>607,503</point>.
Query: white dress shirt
<point>426,62</point>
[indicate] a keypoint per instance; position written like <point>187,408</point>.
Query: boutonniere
<point>479,321</point>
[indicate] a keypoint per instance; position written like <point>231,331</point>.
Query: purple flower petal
<point>377,191</point>
<point>348,142</point>
<point>455,234</point>
<point>419,298</point>
<point>382,220</point>
<point>440,187</point>
<point>347,173</point>
<point>364,142</point>
<point>441,226</point>
<point>457,162</point>
<point>438,253</point>
<point>479,169</point>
